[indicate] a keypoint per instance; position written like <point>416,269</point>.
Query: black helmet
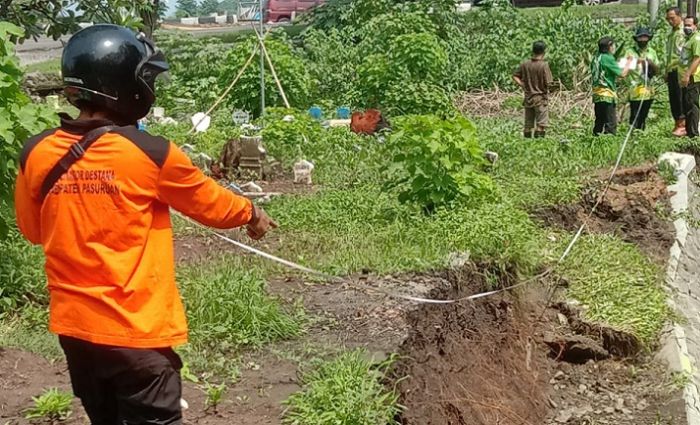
<point>604,44</point>
<point>643,31</point>
<point>114,68</point>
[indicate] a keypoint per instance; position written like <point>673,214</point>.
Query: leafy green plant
<point>345,390</point>
<point>215,394</point>
<point>53,405</point>
<point>291,71</point>
<point>437,162</point>
<point>19,116</point>
<point>288,139</point>
<point>21,273</point>
<point>228,308</point>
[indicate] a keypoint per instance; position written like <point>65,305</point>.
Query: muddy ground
<point>635,208</point>
<point>508,359</point>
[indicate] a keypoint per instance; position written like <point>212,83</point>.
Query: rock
<point>562,319</point>
<point>609,410</point>
<point>203,161</point>
<point>559,374</point>
<point>187,148</point>
<point>574,348</point>
<point>456,260</point>
<point>564,416</point>
<point>642,405</point>
<point>581,389</point>
<point>492,157</point>
<point>251,187</point>
<point>43,83</point>
<point>619,404</point>
<point>582,411</point>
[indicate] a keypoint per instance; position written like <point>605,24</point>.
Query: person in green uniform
<point>674,46</point>
<point>604,72</point>
<point>641,92</point>
<point>690,76</point>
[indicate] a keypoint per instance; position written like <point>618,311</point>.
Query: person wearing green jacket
<point>674,46</point>
<point>689,74</point>
<point>641,91</point>
<point>604,72</point>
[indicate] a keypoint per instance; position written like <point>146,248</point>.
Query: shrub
<point>22,278</point>
<point>53,405</point>
<point>20,118</point>
<point>436,162</point>
<point>346,390</point>
<point>290,68</point>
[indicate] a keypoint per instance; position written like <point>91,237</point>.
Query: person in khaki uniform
<point>535,78</point>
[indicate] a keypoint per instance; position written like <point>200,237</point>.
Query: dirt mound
<point>471,363</point>
<point>629,210</point>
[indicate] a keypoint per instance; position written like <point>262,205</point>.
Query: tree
<point>188,7</point>
<point>209,6</point>
<point>37,17</point>
<point>57,17</point>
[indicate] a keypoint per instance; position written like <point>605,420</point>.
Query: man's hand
<point>685,80</point>
<point>260,224</point>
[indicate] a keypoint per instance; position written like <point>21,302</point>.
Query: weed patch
<point>618,286</point>
<point>345,390</point>
<point>228,309</point>
<point>52,405</point>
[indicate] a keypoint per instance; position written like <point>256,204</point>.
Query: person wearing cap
<point>604,73</point>
<point>96,193</point>
<point>535,78</point>
<point>689,73</point>
<point>674,46</point>
<point>641,91</point>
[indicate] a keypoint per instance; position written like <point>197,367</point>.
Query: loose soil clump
<point>631,209</point>
<point>472,363</point>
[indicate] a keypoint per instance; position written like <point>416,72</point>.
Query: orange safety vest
<point>106,232</point>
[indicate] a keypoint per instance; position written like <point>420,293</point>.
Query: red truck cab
<point>283,10</point>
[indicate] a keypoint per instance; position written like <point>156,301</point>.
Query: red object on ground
<point>368,122</point>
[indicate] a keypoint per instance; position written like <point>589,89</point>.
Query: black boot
<point>527,134</point>
<point>539,134</point>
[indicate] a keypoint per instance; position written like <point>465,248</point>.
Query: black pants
<point>125,386</point>
<point>639,111</point>
<point>675,97</point>
<point>605,118</point>
<point>691,108</point>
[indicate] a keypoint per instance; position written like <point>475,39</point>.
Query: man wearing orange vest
<point>96,193</point>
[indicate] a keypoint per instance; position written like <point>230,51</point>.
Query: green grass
<point>53,405</point>
<point>49,66</point>
<point>618,285</point>
<point>343,232</point>
<point>27,329</point>
<point>345,390</point>
<point>227,309</point>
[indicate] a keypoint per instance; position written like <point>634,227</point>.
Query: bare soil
<point>632,209</point>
